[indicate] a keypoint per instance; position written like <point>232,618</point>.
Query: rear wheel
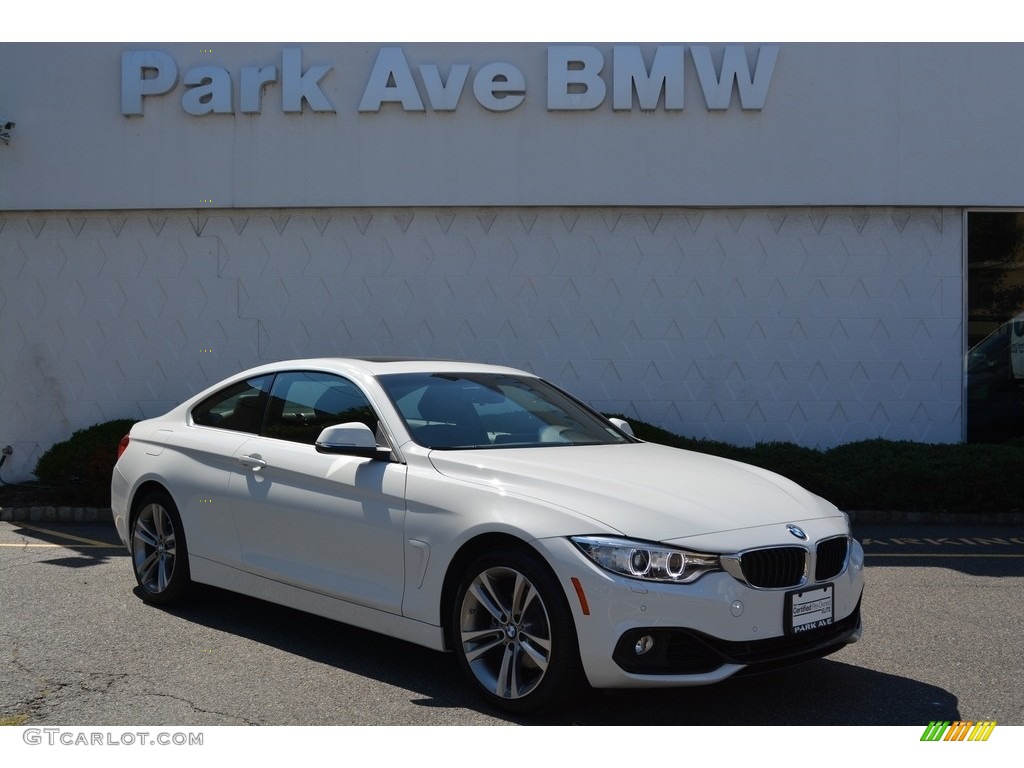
<point>159,552</point>
<point>513,633</point>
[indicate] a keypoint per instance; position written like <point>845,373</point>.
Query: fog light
<point>643,645</point>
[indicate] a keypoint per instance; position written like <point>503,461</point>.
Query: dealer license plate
<point>809,609</point>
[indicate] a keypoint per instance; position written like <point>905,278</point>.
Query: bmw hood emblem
<point>797,531</point>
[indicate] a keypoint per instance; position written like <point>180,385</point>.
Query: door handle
<point>253,461</point>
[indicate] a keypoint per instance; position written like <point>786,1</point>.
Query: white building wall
<point>813,325</point>
<point>865,124</point>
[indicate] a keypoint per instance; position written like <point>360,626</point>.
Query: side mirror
<point>623,426</point>
<point>351,439</point>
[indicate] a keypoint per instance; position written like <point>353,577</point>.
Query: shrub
<point>916,477</point>
<point>81,465</point>
<point>884,475</point>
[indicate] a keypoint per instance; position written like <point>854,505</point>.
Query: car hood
<point>642,490</point>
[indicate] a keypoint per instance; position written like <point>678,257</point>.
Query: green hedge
<point>878,475</point>
<point>884,475</point>
<point>79,468</point>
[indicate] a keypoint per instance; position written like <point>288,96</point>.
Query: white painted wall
<point>791,270</point>
<point>841,124</point>
<point>817,325</point>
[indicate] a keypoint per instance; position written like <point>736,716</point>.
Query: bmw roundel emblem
<point>797,531</point>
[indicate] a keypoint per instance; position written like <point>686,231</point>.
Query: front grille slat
<point>775,567</point>
<point>831,558</point>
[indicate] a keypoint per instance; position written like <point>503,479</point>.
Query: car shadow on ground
<point>91,544</point>
<point>821,692</point>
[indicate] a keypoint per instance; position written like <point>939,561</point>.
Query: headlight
<point>646,560</point>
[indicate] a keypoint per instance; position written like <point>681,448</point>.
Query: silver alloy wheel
<point>505,632</point>
<point>153,548</point>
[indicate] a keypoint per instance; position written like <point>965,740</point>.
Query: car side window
<point>302,403</point>
<point>239,407</point>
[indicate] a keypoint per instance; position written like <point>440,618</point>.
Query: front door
<point>333,524</point>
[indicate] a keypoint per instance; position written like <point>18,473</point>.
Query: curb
<point>56,515</point>
<point>862,517</point>
<point>874,517</point>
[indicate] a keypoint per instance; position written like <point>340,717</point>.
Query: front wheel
<point>513,633</point>
<point>159,553</point>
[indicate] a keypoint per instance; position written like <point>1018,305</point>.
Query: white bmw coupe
<point>480,510</point>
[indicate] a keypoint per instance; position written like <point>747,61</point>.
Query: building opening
<point>995,326</point>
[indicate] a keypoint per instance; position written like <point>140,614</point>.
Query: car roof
<point>376,366</point>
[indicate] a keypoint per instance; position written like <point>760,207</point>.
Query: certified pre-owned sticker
<point>810,609</point>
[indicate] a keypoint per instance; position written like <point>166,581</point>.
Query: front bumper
<point>703,632</point>
<point>680,651</point>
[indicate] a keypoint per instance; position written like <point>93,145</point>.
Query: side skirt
<point>215,574</point>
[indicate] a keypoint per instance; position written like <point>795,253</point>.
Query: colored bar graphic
<point>958,730</point>
<point>935,730</point>
<point>982,730</point>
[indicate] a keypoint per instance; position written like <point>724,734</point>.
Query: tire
<point>159,552</point>
<point>513,633</point>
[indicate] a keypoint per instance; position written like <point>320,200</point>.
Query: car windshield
<point>493,410</point>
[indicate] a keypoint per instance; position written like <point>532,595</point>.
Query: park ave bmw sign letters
<point>579,77</point>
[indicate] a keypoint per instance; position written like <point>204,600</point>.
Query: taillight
<point>123,445</point>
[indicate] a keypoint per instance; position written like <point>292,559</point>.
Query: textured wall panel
<point>818,326</point>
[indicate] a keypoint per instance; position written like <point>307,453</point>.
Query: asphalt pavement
<point>942,630</point>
